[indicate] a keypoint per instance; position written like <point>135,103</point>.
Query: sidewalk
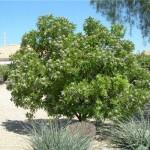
<point>12,119</point>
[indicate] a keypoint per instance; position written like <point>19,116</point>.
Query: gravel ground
<point>12,121</point>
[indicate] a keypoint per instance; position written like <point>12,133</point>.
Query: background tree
<point>133,12</point>
<point>90,75</point>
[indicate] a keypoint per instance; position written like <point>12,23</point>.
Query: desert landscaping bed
<point>13,121</point>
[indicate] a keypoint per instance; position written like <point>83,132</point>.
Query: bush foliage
<point>144,60</point>
<point>4,69</point>
<point>88,75</point>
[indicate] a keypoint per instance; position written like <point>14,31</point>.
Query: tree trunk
<point>81,117</point>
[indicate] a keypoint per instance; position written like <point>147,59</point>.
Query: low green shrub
<point>4,71</point>
<point>55,136</point>
<point>132,134</point>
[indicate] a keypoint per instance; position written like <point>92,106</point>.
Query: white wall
<point>5,62</point>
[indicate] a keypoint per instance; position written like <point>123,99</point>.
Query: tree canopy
<point>90,75</point>
<point>133,12</point>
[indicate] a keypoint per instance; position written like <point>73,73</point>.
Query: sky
<point>19,17</point>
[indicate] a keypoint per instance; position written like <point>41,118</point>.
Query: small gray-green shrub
<point>55,136</point>
<point>132,134</point>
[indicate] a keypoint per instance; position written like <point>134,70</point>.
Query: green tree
<point>90,75</point>
<point>133,12</point>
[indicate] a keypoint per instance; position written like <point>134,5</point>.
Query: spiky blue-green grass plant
<point>132,134</point>
<point>54,136</point>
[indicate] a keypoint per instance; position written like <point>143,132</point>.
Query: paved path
<point>12,119</point>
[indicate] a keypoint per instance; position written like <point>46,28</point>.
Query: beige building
<point>147,52</point>
<point>6,52</point>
